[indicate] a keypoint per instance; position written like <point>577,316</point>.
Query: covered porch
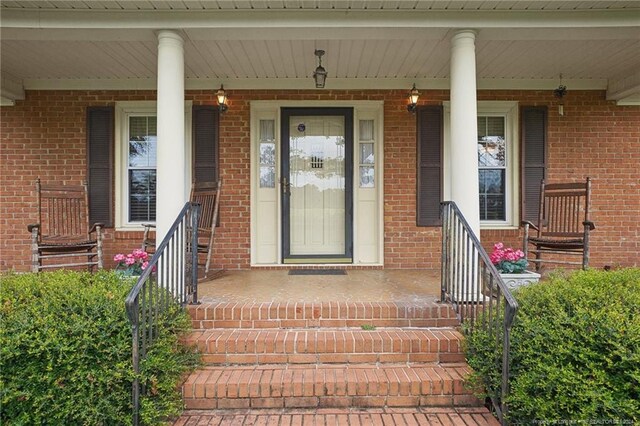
<point>151,65</point>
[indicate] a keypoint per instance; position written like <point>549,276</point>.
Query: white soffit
<point>369,44</point>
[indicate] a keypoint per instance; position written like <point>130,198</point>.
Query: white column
<point>464,127</point>
<point>171,174</point>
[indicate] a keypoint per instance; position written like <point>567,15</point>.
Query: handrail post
<point>444,213</point>
<point>135,390</point>
<point>194,251</point>
<point>506,346</point>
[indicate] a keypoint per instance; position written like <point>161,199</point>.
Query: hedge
<point>65,346</point>
<point>575,350</point>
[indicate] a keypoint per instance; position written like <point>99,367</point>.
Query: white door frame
<point>368,203</point>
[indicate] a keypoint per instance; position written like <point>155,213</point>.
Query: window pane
<point>142,141</point>
<point>366,130</point>
<point>267,177</point>
<point>367,177</point>
<point>491,142</point>
<point>267,130</point>
<point>143,153</point>
<point>491,151</point>
<point>492,194</point>
<point>366,153</point>
<point>495,126</point>
<point>268,153</point>
<point>142,195</point>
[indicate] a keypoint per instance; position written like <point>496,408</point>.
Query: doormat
<point>317,272</point>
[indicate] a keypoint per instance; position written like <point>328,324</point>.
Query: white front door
<point>316,185</point>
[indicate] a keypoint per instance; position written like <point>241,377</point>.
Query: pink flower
<point>139,254</point>
<point>132,263</point>
<point>506,259</point>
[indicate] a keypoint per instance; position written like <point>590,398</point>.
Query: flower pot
<point>515,281</point>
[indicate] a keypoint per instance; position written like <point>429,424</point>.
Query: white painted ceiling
<point>104,44</point>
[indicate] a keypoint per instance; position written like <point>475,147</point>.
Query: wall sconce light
<point>413,99</point>
<point>222,99</point>
<point>320,74</point>
<point>559,93</point>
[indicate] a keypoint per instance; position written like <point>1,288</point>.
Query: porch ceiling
<point>372,44</point>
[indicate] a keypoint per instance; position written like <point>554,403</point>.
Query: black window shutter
<point>100,164</point>
<point>429,191</point>
<point>205,143</point>
<point>534,160</point>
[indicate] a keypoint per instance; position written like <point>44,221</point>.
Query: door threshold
<point>318,261</point>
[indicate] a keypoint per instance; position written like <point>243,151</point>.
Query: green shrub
<point>575,350</point>
<point>65,346</point>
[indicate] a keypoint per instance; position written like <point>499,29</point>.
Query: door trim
<point>285,115</point>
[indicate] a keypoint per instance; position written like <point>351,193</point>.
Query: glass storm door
<point>316,185</point>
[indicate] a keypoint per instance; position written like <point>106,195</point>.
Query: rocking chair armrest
<point>526,222</point>
<point>95,227</point>
<point>589,224</point>
<point>148,226</point>
<point>33,226</point>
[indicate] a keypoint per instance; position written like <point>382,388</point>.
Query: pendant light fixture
<point>320,74</point>
<point>559,93</point>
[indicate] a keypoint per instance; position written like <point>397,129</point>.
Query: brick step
<point>322,314</point>
<point>272,346</point>
<point>463,416</point>
<point>311,386</point>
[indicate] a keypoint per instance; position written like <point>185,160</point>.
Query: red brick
<point>35,144</point>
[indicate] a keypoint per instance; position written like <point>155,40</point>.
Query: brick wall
<point>44,136</point>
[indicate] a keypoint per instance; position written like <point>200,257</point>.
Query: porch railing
<point>480,297</point>
<point>171,278</point>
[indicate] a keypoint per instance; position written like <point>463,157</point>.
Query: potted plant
<point>132,264</point>
<point>512,266</point>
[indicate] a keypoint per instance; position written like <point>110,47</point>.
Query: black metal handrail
<point>170,278</point>
<point>479,295</point>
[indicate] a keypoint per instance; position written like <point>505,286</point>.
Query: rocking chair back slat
<point>205,194</point>
<point>565,207</point>
<point>65,214</point>
<point>563,222</point>
<point>63,228</point>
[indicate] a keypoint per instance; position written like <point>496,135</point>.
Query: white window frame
<point>508,110</point>
<point>123,111</point>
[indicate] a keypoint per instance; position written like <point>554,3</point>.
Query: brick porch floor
<point>358,285</point>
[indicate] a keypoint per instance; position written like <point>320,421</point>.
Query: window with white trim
<point>135,162</point>
<point>498,167</point>
<point>492,167</point>
<point>141,168</point>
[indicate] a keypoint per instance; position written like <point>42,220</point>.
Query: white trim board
<point>307,84</point>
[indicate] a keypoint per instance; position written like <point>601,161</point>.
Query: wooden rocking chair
<point>63,229</point>
<point>207,194</point>
<point>563,224</point>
